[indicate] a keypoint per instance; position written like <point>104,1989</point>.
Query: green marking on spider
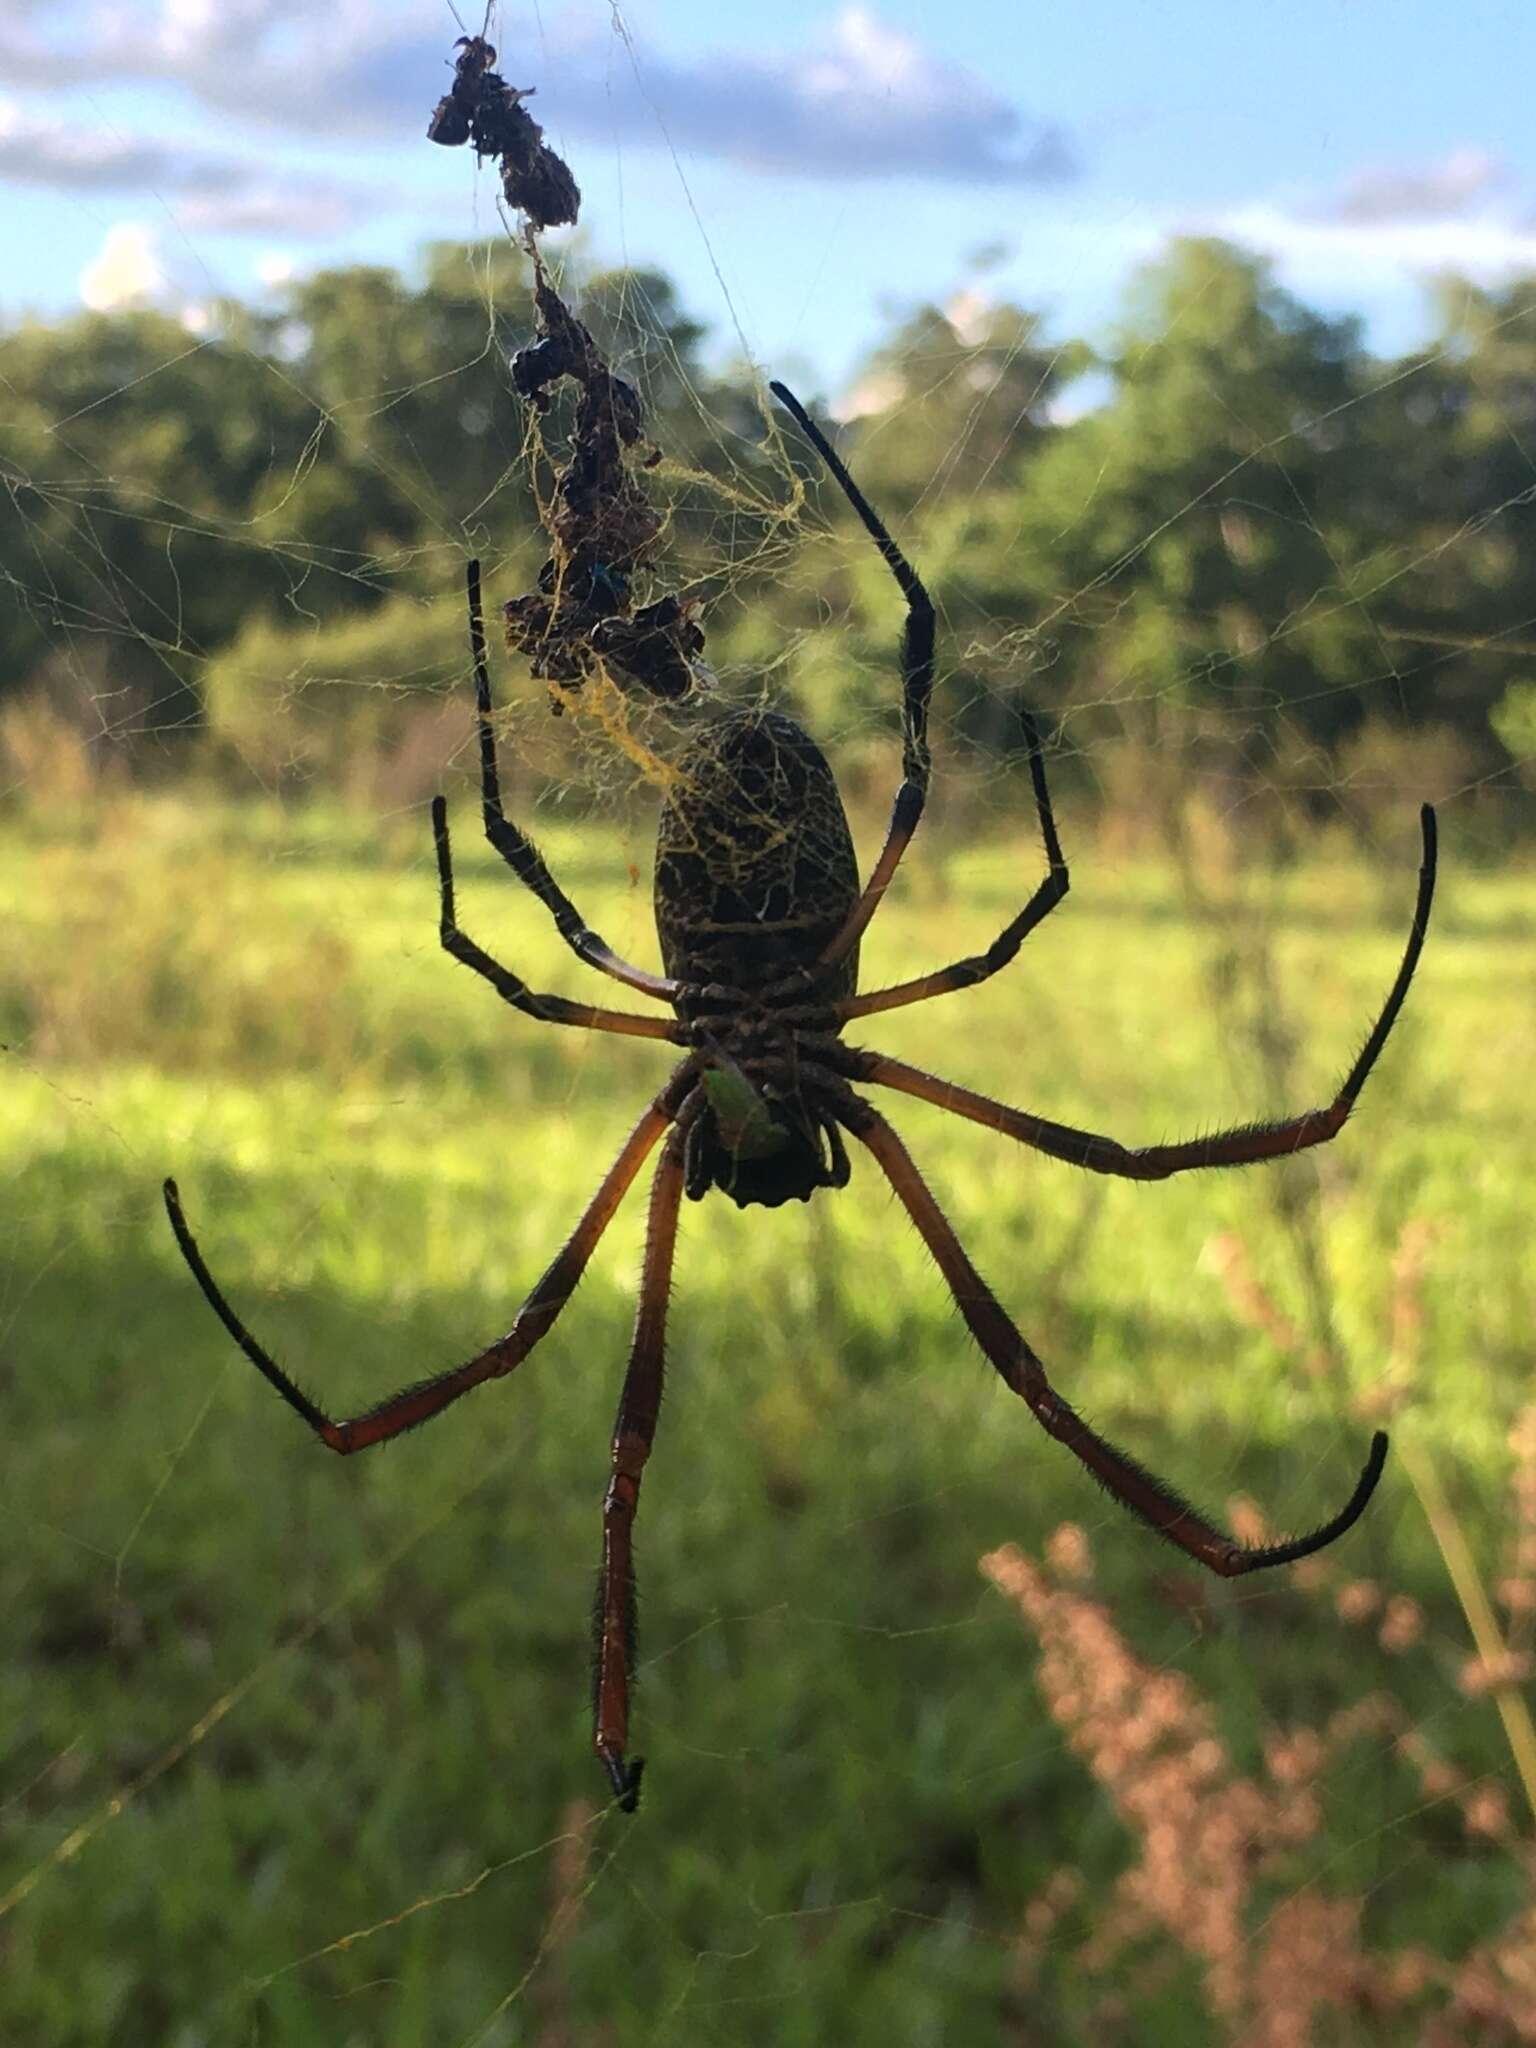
<point>743,1116</point>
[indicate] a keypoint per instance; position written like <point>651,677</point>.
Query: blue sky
<point>801,169</point>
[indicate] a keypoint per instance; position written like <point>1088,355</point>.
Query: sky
<point>804,171</point>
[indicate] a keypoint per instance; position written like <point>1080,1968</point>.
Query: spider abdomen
<point>755,876</point>
<point>755,868</point>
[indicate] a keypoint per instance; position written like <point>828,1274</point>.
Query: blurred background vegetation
<point>1230,544</point>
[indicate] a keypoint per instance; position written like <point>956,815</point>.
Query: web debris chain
<point>480,107</point>
<point>581,617</point>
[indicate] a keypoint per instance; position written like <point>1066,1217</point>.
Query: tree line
<point>1228,540</point>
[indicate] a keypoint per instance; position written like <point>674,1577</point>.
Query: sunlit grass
<point>853,1785</point>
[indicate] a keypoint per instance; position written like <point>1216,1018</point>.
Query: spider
<point>759,915</point>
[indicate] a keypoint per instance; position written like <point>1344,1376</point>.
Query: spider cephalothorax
<point>759,914</point>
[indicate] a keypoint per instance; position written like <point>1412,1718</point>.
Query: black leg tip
<point>908,807</point>
<point>630,1802</point>
<point>797,411</point>
<point>625,1780</point>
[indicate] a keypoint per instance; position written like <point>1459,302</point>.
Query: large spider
<point>759,914</point>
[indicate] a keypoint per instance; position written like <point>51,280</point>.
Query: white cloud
<point>1436,191</point>
<point>189,40</point>
<point>869,101</point>
<point>213,193</point>
<point>126,271</point>
<point>313,210</point>
<point>866,56</point>
<point>66,156</point>
<point>1384,231</point>
<point>866,100</point>
<point>1350,253</point>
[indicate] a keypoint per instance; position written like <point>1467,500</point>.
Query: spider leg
<point>519,851</point>
<point>1240,1147</point>
<point>916,689</point>
<point>418,1403</point>
<point>1158,1505</point>
<point>982,966</point>
<point>634,1431</point>
<point>548,1009</point>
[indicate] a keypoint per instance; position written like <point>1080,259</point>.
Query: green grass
<point>283,1698</point>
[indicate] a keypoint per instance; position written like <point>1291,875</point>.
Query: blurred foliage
<point>1230,529</point>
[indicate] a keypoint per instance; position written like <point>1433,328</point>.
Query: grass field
<point>296,1748</point>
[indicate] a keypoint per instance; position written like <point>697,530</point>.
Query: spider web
<point>939,1741</point>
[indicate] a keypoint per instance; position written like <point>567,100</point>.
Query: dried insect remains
<point>480,107</point>
<point>582,615</point>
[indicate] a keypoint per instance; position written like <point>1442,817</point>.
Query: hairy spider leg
<point>982,966</point>
<point>916,689</point>
<point>634,1431</point>
<point>419,1402</point>
<point>1240,1147</point>
<point>519,851</point>
<point>1157,1504</point>
<point>547,1009</point>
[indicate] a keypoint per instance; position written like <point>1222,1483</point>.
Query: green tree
<point>134,454</point>
<point>1449,445</point>
<point>1174,563</point>
<point>958,400</point>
